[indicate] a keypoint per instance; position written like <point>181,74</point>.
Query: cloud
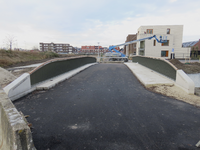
<point>88,22</point>
<point>172,1</point>
<point>115,32</point>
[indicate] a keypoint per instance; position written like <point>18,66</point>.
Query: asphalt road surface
<point>106,108</point>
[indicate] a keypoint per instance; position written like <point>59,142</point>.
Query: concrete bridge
<point>106,107</point>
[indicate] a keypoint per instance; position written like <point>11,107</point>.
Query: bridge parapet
<point>167,69</point>
<point>27,82</point>
<point>56,67</point>
<point>159,65</point>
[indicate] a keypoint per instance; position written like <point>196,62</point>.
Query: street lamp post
<point>98,49</point>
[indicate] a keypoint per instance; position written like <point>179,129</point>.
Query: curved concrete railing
<point>52,68</point>
<point>14,131</point>
<point>157,64</point>
<point>165,68</point>
<point>56,67</point>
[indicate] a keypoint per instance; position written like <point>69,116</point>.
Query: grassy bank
<point>9,58</point>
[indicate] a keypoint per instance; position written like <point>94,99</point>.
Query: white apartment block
<point>152,48</point>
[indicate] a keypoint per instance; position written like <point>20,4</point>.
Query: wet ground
<point>106,108</point>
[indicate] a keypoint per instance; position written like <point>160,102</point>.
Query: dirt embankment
<point>176,92</point>
<point>10,59</point>
<point>6,77</point>
<point>187,68</point>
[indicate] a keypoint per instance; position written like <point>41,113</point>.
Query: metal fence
<point>182,55</point>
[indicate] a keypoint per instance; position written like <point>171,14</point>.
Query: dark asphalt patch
<point>106,108</point>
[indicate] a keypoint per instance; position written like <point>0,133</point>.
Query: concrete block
<point>14,131</point>
<point>184,82</point>
<point>19,87</point>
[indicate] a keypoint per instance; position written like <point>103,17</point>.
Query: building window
<point>164,53</point>
<point>168,30</point>
<point>166,43</point>
<point>154,43</point>
<point>149,31</point>
<point>141,52</point>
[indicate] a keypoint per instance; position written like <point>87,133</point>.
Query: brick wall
<point>131,47</point>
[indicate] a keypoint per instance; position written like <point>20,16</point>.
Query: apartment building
<point>174,34</point>
<point>57,47</point>
<point>93,49</point>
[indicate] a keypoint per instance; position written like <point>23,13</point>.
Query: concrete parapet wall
<point>27,82</point>
<point>165,68</point>
<point>18,87</point>
<point>14,131</point>
<point>184,82</point>
<point>56,67</point>
<point>157,64</point>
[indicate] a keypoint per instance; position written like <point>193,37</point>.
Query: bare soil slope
<point>176,92</point>
<point>6,77</point>
<point>187,68</point>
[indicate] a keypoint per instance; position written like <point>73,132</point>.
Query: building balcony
<point>141,48</point>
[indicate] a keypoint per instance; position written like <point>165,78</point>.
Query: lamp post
<point>98,49</point>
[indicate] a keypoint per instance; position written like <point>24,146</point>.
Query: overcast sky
<point>87,22</point>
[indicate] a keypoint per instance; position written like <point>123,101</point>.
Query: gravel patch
<point>177,93</point>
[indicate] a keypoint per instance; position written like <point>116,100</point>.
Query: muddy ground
<point>188,68</point>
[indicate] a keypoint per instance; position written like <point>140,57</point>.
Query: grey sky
<point>86,22</point>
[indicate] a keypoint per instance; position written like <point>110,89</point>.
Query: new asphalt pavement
<point>106,108</point>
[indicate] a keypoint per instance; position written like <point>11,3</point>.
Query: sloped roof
<point>189,44</point>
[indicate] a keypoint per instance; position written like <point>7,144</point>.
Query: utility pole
<point>98,49</point>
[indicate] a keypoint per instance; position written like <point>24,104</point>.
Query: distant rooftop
<point>189,44</point>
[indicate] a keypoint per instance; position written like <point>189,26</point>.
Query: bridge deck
<point>105,107</point>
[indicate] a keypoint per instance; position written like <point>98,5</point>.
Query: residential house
<point>195,45</point>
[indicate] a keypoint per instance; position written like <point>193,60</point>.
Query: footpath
<point>158,83</point>
<point>147,76</point>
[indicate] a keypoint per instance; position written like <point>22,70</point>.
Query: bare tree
<point>10,40</point>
